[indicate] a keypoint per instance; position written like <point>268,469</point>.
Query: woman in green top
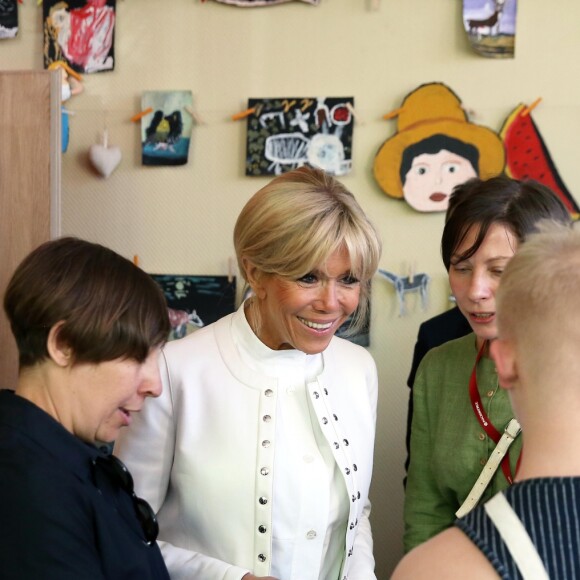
<point>457,403</point>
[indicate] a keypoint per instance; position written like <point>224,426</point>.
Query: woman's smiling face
<point>304,314</point>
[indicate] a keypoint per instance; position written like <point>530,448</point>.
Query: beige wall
<point>179,220</point>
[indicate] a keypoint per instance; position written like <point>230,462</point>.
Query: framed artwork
<point>166,130</point>
<point>80,33</point>
<point>491,26</point>
<point>435,148</point>
<point>8,18</point>
<point>283,134</point>
<point>196,301</point>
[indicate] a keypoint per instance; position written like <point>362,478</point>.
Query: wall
<point>179,220</point>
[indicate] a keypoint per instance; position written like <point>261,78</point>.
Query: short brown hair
<point>298,220</point>
<point>110,308</point>
<point>518,205</point>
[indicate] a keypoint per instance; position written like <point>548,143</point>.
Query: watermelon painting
<point>527,156</point>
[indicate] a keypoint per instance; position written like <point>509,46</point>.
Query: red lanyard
<point>483,419</point>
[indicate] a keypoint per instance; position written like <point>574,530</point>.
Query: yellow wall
<point>179,220</point>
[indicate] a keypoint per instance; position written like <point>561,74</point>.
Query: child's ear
<point>59,351</point>
<point>502,352</point>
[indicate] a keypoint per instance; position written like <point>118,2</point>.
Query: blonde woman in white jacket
<point>258,455</point>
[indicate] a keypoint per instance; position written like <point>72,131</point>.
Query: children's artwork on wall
<point>413,283</point>
<point>434,149</point>
<point>196,301</point>
<point>80,32</point>
<point>71,85</point>
<point>284,134</point>
<point>527,156</point>
<point>166,130</point>
<point>255,3</point>
<point>8,18</point>
<point>491,26</point>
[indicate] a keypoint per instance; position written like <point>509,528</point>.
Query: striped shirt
<point>549,509</point>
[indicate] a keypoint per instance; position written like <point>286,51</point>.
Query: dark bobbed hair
<point>519,205</point>
<point>109,307</point>
<point>433,145</point>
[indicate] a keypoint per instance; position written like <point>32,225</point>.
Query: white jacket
<point>197,457</point>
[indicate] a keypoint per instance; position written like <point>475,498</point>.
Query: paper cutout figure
<point>8,18</point>
<point>434,149</point>
<point>166,131</point>
<point>80,32</point>
<point>418,283</point>
<point>527,156</point>
<point>196,301</point>
<point>256,3</point>
<point>491,26</point>
<point>71,85</point>
<point>284,134</point>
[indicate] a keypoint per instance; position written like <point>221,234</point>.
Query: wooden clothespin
<point>142,114</point>
<point>230,270</point>
<point>136,260</point>
<point>243,114</point>
<point>412,272</point>
<point>392,114</point>
<point>528,110</point>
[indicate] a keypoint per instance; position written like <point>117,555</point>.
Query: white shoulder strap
<point>511,431</point>
<point>516,538</point>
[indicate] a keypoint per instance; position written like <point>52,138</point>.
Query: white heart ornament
<point>104,159</point>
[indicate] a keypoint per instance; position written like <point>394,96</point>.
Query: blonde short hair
<point>296,222</point>
<point>537,299</point>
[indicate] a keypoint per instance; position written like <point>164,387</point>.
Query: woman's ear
<point>254,277</point>
<point>502,352</point>
<point>59,352</point>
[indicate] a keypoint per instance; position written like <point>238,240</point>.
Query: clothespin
<point>230,270</point>
<point>243,114</point>
<point>528,110</point>
<point>392,114</point>
<point>194,116</point>
<point>142,114</point>
<point>411,272</point>
<point>136,260</point>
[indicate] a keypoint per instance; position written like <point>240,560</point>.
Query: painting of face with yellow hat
<point>434,149</point>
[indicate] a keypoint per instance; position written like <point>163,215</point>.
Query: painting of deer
<point>475,26</point>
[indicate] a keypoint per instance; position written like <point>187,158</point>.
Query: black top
<point>438,330</point>
<point>62,517</point>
